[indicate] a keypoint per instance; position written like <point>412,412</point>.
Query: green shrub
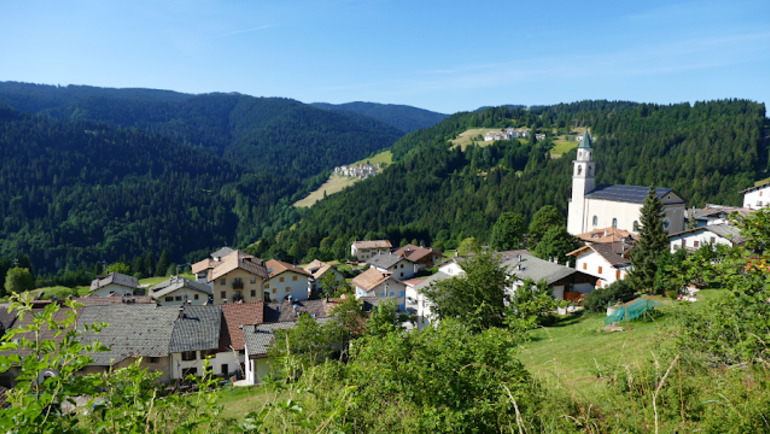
<point>600,298</point>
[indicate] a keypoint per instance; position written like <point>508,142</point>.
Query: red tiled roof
<point>235,315</point>
<point>279,267</point>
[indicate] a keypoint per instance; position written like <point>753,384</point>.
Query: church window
<point>580,154</point>
<point>595,220</point>
<point>636,226</point>
<point>580,170</point>
<point>614,222</point>
<point>589,170</point>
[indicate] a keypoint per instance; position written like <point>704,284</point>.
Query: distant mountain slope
<point>75,193</point>
<point>262,134</point>
<point>405,118</point>
<point>707,153</point>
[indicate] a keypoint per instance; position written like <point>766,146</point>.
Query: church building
<point>617,206</point>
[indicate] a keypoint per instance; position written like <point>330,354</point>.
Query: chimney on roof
<point>181,312</point>
<point>224,301</point>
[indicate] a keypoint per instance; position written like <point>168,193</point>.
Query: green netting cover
<point>630,313</point>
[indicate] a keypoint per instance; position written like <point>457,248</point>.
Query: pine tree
<point>163,263</point>
<point>653,240</point>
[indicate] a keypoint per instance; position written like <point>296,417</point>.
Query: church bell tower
<point>583,173</point>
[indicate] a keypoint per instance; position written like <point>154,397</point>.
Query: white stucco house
<point>757,197</point>
<point>617,206</point>
<point>286,280</point>
<point>113,283</point>
<point>693,239</point>
<point>608,262</point>
<point>399,266</point>
<point>363,250</point>
<point>376,285</point>
<point>177,291</point>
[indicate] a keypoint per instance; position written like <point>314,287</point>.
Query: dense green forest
<point>405,118</point>
<point>270,135</point>
<point>706,152</point>
<point>77,193</point>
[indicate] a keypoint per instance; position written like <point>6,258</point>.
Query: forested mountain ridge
<point>76,193</point>
<point>405,118</point>
<point>262,134</point>
<point>707,152</point>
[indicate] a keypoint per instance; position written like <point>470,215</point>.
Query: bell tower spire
<point>583,173</point>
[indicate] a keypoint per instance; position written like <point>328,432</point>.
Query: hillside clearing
<point>464,139</point>
<point>337,183</point>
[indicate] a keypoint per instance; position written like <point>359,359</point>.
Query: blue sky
<point>445,56</point>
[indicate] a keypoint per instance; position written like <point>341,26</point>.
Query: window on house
<point>178,298</point>
<point>189,355</point>
<point>154,359</point>
<point>224,369</point>
<point>223,294</point>
<point>238,280</point>
<point>253,280</point>
<point>617,274</point>
<point>196,296</point>
<point>169,298</point>
<point>696,244</point>
<point>267,286</point>
<point>595,221</point>
<point>293,277</point>
<point>614,222</point>
<point>189,371</point>
<point>585,265</point>
<point>223,282</point>
<point>288,289</point>
<point>281,279</point>
<point>275,290</point>
<point>684,243</point>
<point>713,240</point>
<point>253,293</point>
<point>401,294</point>
<point>600,269</point>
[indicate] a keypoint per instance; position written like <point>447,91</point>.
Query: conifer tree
<point>653,240</point>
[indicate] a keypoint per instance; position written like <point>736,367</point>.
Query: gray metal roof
<point>523,265</point>
<point>135,330</point>
<point>197,328</point>
<point>724,230</point>
<point>117,279</point>
<point>259,337</point>
<point>626,193</point>
<point>221,253</point>
<point>175,283</point>
<point>385,260</point>
<point>438,277</point>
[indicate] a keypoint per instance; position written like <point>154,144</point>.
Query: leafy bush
<point>600,298</point>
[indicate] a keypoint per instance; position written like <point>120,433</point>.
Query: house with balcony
<point>238,277</point>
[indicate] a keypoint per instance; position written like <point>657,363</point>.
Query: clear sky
<point>446,56</point>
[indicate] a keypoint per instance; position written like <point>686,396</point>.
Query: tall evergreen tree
<point>648,250</point>
<point>163,263</point>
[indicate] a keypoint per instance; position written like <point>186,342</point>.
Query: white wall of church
<point>607,213</point>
